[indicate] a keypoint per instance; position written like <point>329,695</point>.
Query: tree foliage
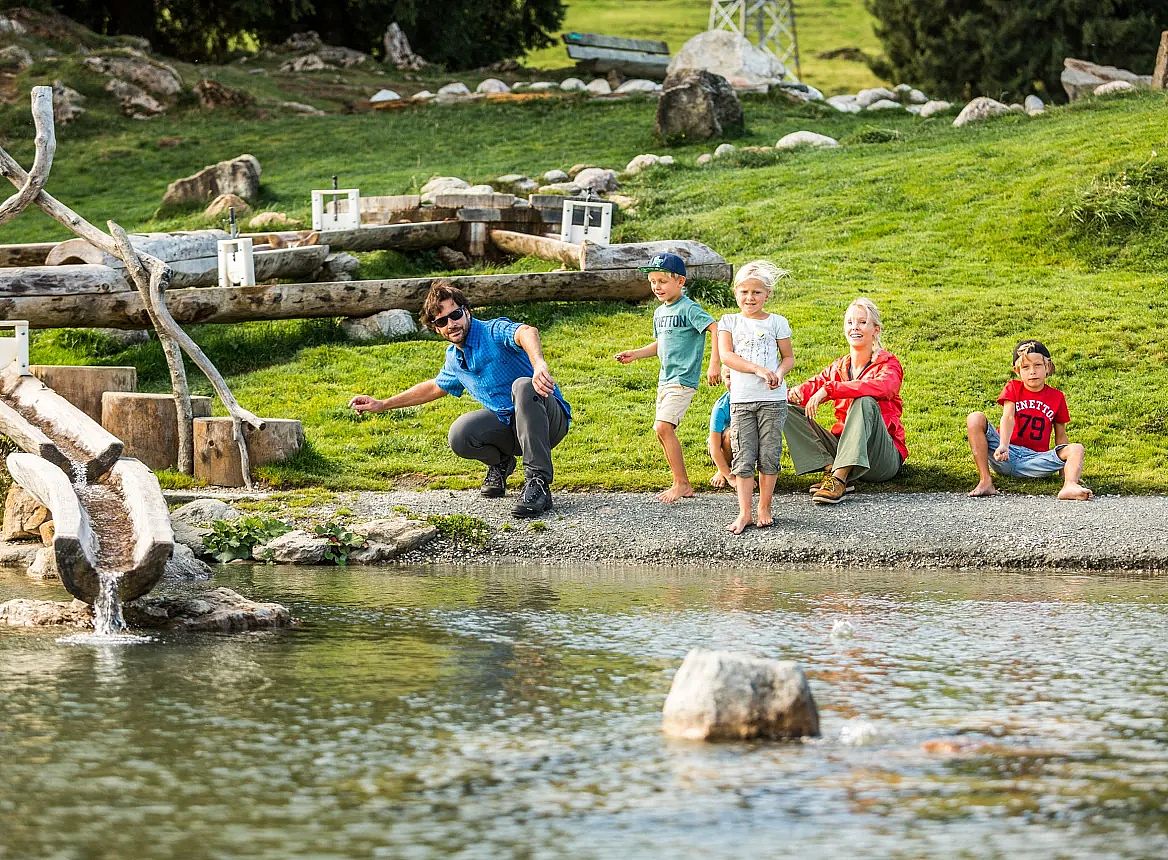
<point>454,33</point>
<point>1006,48</point>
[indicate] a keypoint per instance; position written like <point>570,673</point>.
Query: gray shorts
<point>756,436</point>
<point>1024,462</point>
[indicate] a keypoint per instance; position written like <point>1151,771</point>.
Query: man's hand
<point>365,403</point>
<point>541,379</point>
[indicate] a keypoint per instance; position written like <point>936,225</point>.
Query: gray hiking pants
<point>538,426</point>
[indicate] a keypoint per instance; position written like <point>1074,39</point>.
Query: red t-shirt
<point>1035,413</point>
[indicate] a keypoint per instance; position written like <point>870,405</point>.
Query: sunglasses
<point>454,315</point>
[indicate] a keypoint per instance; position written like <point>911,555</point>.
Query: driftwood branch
<point>46,146</point>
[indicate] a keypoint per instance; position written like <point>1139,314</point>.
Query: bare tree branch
<point>46,145</point>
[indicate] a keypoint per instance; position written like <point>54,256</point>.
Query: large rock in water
<point>731,56</point>
<point>239,176</point>
<point>219,610</point>
<point>725,695</point>
<point>697,105</point>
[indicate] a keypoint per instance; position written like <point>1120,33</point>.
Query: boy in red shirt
<point>1032,412</point>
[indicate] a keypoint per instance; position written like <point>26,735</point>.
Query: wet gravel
<point>870,530</point>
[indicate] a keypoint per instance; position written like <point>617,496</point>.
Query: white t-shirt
<point>757,341</point>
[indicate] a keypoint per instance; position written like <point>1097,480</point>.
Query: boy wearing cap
<point>1032,412</point>
<point>680,327</point>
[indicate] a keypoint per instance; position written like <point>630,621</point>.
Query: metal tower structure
<point>769,24</point>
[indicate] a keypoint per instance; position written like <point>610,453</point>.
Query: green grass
<point>968,239</point>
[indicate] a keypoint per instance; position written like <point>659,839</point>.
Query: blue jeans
<point>1024,462</point>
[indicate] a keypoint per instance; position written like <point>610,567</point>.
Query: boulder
<point>639,85</point>
<point>294,547</point>
<point>598,180</point>
<point>726,695</point>
<point>492,85</point>
<point>341,266</point>
<point>18,555</point>
<point>423,96</point>
<point>884,104</point>
<point>931,108</point>
<point>567,189</point>
<point>457,89</point>
<point>239,176</point>
<point>305,63</point>
<point>219,610</point>
<point>23,515</point>
<point>697,105</point>
<point>979,109</point>
<point>573,85</point>
<point>154,77</point>
<point>481,188</point>
<point>543,86</point>
<point>135,102</point>
<point>1112,88</point>
<point>213,94</point>
<point>392,323</point>
<point>44,564</point>
<point>397,50</point>
<point>641,163</point>
<point>516,183</point>
<point>190,521</point>
<point>301,108</point>
<point>556,176</point>
<point>796,139</point>
<point>185,567</point>
<point>452,258</point>
<point>598,87</point>
<point>914,97</point>
<point>384,96</point>
<point>394,534</point>
<point>14,58</point>
<point>66,103</point>
<point>1033,105</point>
<point>845,104</point>
<point>704,159</point>
<point>871,96</point>
<point>731,56</point>
<point>724,149</point>
<point>1080,78</point>
<point>442,185</point>
<point>224,202</point>
<point>268,220</point>
<point>22,612</point>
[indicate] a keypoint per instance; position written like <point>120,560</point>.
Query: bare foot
<point>719,481</point>
<point>984,488</point>
<point>764,521</point>
<point>677,491</point>
<point>1075,493</point>
<point>739,525</point>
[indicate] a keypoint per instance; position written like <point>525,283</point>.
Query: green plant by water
<point>341,541</point>
<point>461,528</point>
<point>235,539</point>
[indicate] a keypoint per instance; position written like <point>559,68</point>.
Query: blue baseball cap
<point>665,263</point>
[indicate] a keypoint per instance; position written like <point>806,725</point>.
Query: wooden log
<point>147,425</point>
<point>46,146</point>
<point>527,245</point>
<point>84,386</point>
<point>217,457</point>
<point>333,299</point>
<point>30,254</point>
<point>634,254</point>
<point>1160,73</point>
<point>619,43</point>
<point>153,537</point>
<point>414,236</point>
<point>168,247</point>
<point>50,280</point>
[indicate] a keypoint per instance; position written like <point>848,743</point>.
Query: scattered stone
<point>519,86</point>
<point>1080,78</point>
<point>639,85</point>
<point>457,89</point>
<point>845,104</point>
<point>384,96</point>
<point>301,108</point>
<point>1015,107</point>
<point>386,324</point>
<point>22,612</point>
<point>423,96</point>
<point>221,204</point>
<point>796,139</point>
<point>397,50</point>
<point>1113,88</point>
<point>190,521</point>
<point>18,554</point>
<point>23,515</point>
<point>697,105</point>
<point>726,695</point>
<point>516,183</point>
<point>239,176</point>
<point>931,108</point>
<point>219,610</point>
<point>724,149</point>
<point>442,184</point>
<point>14,58</point>
<point>294,547</point>
<point>884,104</point>
<point>1034,105</point>
<point>452,259</point>
<point>704,159</point>
<point>543,86</point>
<point>598,180</point>
<point>482,188</point>
<point>622,201</point>
<point>47,531</point>
<point>268,220</point>
<point>915,110</point>
<point>599,87</point>
<point>492,85</point>
<point>573,85</point>
<point>213,95</point>
<point>66,103</point>
<point>154,77</point>
<point>567,189</point>
<point>184,566</point>
<point>44,564</point>
<point>135,102</point>
<point>871,96</point>
<point>979,109</point>
<point>556,176</point>
<point>731,56</point>
<point>641,163</point>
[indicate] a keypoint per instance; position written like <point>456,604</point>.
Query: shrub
<point>710,294</point>
<point>341,541</point>
<point>871,134</point>
<point>461,528</point>
<point>232,539</point>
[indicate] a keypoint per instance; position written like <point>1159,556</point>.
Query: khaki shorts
<point>672,402</point>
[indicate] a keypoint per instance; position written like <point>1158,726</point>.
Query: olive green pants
<point>864,445</point>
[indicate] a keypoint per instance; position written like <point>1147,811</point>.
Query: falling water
<point>107,609</point>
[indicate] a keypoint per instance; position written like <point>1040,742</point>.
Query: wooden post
<point>1160,75</point>
<point>84,386</point>
<point>146,424</point>
<point>217,455</point>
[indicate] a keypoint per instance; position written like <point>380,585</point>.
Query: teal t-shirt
<point>680,330</point>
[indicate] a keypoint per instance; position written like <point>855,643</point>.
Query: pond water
<point>515,712</point>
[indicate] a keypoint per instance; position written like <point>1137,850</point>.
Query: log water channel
<point>515,712</point>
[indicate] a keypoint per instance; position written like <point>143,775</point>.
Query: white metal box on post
<point>336,209</point>
<point>15,348</point>
<point>236,263</point>
<point>586,219</point>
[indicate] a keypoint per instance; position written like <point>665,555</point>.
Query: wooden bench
<point>642,58</point>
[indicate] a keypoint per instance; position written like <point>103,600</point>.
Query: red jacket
<point>880,379</point>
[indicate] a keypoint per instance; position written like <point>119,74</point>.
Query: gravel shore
<point>870,530</point>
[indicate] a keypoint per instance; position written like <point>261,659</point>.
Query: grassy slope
<point>958,234</point>
<point>822,26</point>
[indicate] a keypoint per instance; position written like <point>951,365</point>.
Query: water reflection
<point>500,712</point>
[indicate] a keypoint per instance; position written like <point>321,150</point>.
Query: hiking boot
<point>815,488</point>
<point>536,499</point>
<point>495,483</point>
<point>830,491</point>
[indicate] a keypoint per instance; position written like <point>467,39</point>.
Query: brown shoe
<point>815,488</point>
<point>831,491</point>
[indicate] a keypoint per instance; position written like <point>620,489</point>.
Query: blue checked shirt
<point>487,364</point>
